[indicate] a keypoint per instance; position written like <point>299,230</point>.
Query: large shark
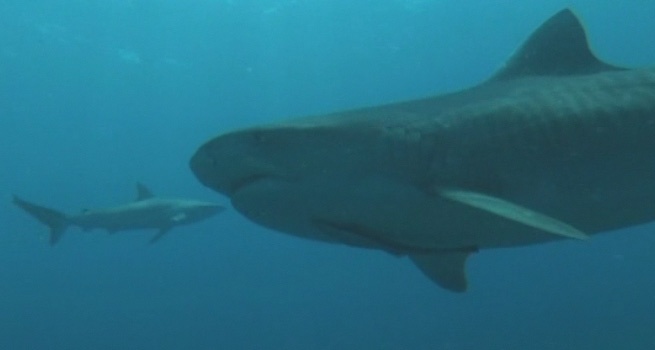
<point>556,145</point>
<point>146,212</point>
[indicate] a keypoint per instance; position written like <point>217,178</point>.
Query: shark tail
<point>56,221</point>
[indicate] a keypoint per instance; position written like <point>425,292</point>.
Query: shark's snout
<point>232,162</point>
<point>205,168</point>
<point>216,164</point>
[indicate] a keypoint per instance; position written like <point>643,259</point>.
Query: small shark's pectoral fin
<point>514,212</point>
<point>143,192</point>
<point>159,235</point>
<point>55,235</point>
<point>448,269</point>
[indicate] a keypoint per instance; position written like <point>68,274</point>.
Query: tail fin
<point>56,221</point>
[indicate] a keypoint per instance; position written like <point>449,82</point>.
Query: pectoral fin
<point>445,269</point>
<point>514,212</point>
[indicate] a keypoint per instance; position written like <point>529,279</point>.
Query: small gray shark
<point>146,212</point>
<point>556,145</point>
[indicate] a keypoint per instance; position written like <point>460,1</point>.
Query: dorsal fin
<point>142,192</point>
<point>558,47</point>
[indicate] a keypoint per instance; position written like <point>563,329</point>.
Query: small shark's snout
<point>193,211</point>
<point>216,209</point>
<point>207,210</point>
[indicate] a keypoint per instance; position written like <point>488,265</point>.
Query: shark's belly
<point>379,212</point>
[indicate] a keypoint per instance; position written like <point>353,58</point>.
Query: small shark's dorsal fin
<point>142,192</point>
<point>448,269</point>
<point>558,47</point>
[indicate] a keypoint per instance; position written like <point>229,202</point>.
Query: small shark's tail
<point>56,221</point>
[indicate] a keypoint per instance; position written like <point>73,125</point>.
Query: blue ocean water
<point>97,95</point>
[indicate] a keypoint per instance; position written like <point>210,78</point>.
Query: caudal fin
<point>56,221</point>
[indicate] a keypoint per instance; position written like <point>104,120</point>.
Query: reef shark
<point>146,212</point>
<point>556,145</point>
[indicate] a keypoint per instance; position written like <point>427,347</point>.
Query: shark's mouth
<point>246,181</point>
<point>233,173</point>
<point>239,184</point>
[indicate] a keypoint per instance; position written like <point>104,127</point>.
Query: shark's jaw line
<point>255,171</point>
<point>244,182</point>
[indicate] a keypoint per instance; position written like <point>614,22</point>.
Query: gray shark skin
<point>146,212</point>
<point>556,145</point>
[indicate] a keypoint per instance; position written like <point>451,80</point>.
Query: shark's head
<point>283,155</point>
<point>282,174</point>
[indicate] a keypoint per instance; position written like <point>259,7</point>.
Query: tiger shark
<point>146,212</point>
<point>555,145</point>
